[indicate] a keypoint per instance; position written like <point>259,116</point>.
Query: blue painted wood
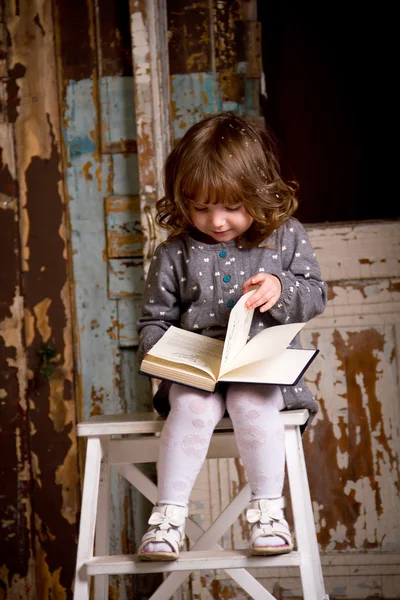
<point>195,96</point>
<point>118,119</point>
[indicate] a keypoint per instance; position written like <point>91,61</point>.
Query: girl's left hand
<point>267,294</point>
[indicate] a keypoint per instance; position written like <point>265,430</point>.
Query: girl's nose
<point>217,218</point>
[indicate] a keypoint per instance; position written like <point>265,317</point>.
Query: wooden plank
<point>151,76</point>
<point>45,286</point>
<point>129,310</point>
<point>17,572</point>
<point>125,277</point>
<point>118,131</point>
<point>125,174</point>
<point>151,422</point>
<point>189,42</point>
<point>253,49</point>
<point>124,236</point>
<point>193,97</point>
<point>195,560</point>
<point>229,35</point>
<point>369,250</point>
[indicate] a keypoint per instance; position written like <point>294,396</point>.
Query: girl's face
<point>220,222</point>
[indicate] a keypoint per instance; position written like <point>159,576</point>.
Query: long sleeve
<point>161,301</point>
<point>304,294</point>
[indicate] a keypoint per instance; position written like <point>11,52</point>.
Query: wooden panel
<point>16,559</point>
<point>98,117</point>
<point>44,419</point>
<point>128,314</point>
<point>118,125</point>
<point>233,86</point>
<point>228,34</point>
<point>125,174</point>
<point>114,38</point>
<point>115,80</point>
<point>253,49</point>
<point>124,237</point>
<point>125,277</point>
<point>358,250</point>
<point>193,97</point>
<point>151,75</point>
<point>189,36</point>
<point>230,80</point>
<point>352,448</point>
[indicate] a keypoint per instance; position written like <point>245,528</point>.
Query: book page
<point>284,369</point>
<point>237,332</point>
<point>181,346</point>
<point>269,342</point>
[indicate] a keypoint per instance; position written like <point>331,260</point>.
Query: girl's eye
<point>200,208</point>
<point>234,207</point>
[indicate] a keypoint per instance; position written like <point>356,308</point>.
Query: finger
<point>269,304</point>
<point>257,299</point>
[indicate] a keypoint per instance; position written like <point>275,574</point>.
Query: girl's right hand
<point>267,294</point>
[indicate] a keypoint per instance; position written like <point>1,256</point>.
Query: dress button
<point>227,278</point>
<point>229,303</point>
<point>222,253</point>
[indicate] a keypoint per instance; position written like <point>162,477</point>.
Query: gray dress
<point>194,285</point>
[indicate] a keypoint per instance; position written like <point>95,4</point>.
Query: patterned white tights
<point>259,432</point>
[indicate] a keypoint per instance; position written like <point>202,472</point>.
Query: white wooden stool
<point>122,441</point>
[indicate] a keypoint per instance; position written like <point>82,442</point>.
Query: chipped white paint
<point>358,251</point>
<point>150,55</point>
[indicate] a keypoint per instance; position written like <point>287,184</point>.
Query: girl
<point>229,217</point>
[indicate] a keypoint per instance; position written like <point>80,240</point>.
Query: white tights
<point>185,438</point>
<point>259,431</point>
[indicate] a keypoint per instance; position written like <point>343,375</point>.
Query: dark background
<point>329,73</point>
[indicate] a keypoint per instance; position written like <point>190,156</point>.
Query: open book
<point>201,362</point>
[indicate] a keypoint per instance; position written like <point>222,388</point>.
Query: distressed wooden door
<point>126,95</point>
<point>39,481</point>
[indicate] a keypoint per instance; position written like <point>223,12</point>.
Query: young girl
<point>229,217</point>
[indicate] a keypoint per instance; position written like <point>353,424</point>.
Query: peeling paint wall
<point>39,470</point>
<point>352,449</point>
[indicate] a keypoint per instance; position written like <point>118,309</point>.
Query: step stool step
<point>188,561</point>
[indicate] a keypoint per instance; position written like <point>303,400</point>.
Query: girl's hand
<point>267,294</point>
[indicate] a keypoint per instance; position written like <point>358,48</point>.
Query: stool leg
<point>242,577</point>
<point>88,518</point>
<point>307,545</point>
<point>102,539</point>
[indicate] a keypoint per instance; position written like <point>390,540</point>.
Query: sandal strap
<point>160,536</point>
<point>268,515</point>
<point>265,511</point>
<point>269,531</point>
<point>168,515</point>
<point>162,521</point>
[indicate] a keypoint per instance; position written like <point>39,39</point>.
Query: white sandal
<point>163,520</point>
<point>268,515</point>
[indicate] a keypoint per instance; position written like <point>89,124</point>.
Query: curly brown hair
<point>226,158</point>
